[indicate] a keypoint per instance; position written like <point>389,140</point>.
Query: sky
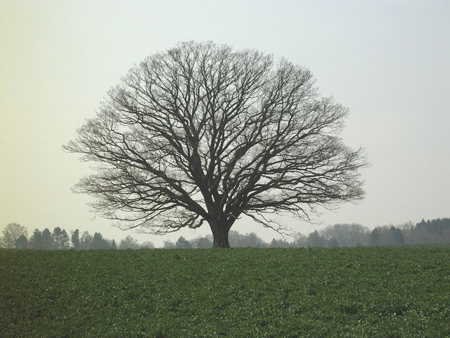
<point>387,61</point>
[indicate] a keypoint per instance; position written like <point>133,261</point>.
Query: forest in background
<point>338,235</point>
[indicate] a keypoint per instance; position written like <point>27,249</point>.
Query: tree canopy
<point>11,233</point>
<point>202,133</point>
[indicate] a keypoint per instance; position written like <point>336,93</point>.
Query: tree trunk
<point>220,234</point>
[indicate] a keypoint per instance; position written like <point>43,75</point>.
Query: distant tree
<point>75,238</point>
<point>21,242</point>
<point>234,238</point>
<point>314,239</point>
<point>386,235</point>
<point>273,244</point>
<point>346,234</point>
<point>279,243</point>
<point>128,243</point>
<point>430,231</point>
<point>251,240</point>
<point>11,233</point>
<point>85,241</point>
<point>408,226</point>
<point>375,237</point>
<point>169,244</point>
<point>422,236</point>
<point>47,240</point>
<point>204,134</point>
<point>203,242</point>
<point>147,245</point>
<point>36,240</point>
<point>98,242</point>
<point>64,242</point>
<point>248,240</point>
<point>182,243</point>
<point>300,241</point>
<point>113,244</point>
<point>332,243</point>
<point>396,236</point>
<point>61,239</point>
<point>434,226</point>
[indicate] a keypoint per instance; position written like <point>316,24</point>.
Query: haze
<point>388,61</point>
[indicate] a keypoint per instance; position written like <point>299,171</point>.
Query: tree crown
<point>204,133</point>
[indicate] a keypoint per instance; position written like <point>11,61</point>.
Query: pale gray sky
<point>388,61</point>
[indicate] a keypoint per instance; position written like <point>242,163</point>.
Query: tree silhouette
<point>128,243</point>
<point>98,242</point>
<point>61,239</point>
<point>10,235</point>
<point>21,242</point>
<point>36,240</point>
<point>85,241</point>
<point>316,240</point>
<point>75,238</point>
<point>202,133</point>
<point>48,241</point>
<point>182,243</point>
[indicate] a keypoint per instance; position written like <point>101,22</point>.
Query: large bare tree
<point>202,133</point>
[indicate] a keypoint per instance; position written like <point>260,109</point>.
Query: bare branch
<point>204,133</point>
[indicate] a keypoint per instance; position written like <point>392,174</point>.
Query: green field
<point>338,292</point>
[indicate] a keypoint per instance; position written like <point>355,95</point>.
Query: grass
<point>338,292</point>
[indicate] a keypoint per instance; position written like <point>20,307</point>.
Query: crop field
<point>336,292</point>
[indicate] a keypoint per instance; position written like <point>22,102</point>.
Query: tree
<point>128,243</point>
<point>75,238</point>
<point>98,242</point>
<point>280,243</point>
<point>203,242</point>
<point>386,235</point>
<point>36,240</point>
<point>332,243</point>
<point>346,234</point>
<point>314,240</point>
<point>11,233</point>
<point>169,244</point>
<point>375,237</point>
<point>113,244</point>
<point>248,240</point>
<point>183,243</point>
<point>300,241</point>
<point>147,245</point>
<point>431,231</point>
<point>202,133</point>
<point>47,240</point>
<point>61,239</point>
<point>396,236</point>
<point>21,242</point>
<point>85,241</point>
<point>435,226</point>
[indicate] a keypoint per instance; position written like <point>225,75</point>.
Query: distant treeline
<point>58,239</point>
<point>424,232</point>
<point>338,235</point>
